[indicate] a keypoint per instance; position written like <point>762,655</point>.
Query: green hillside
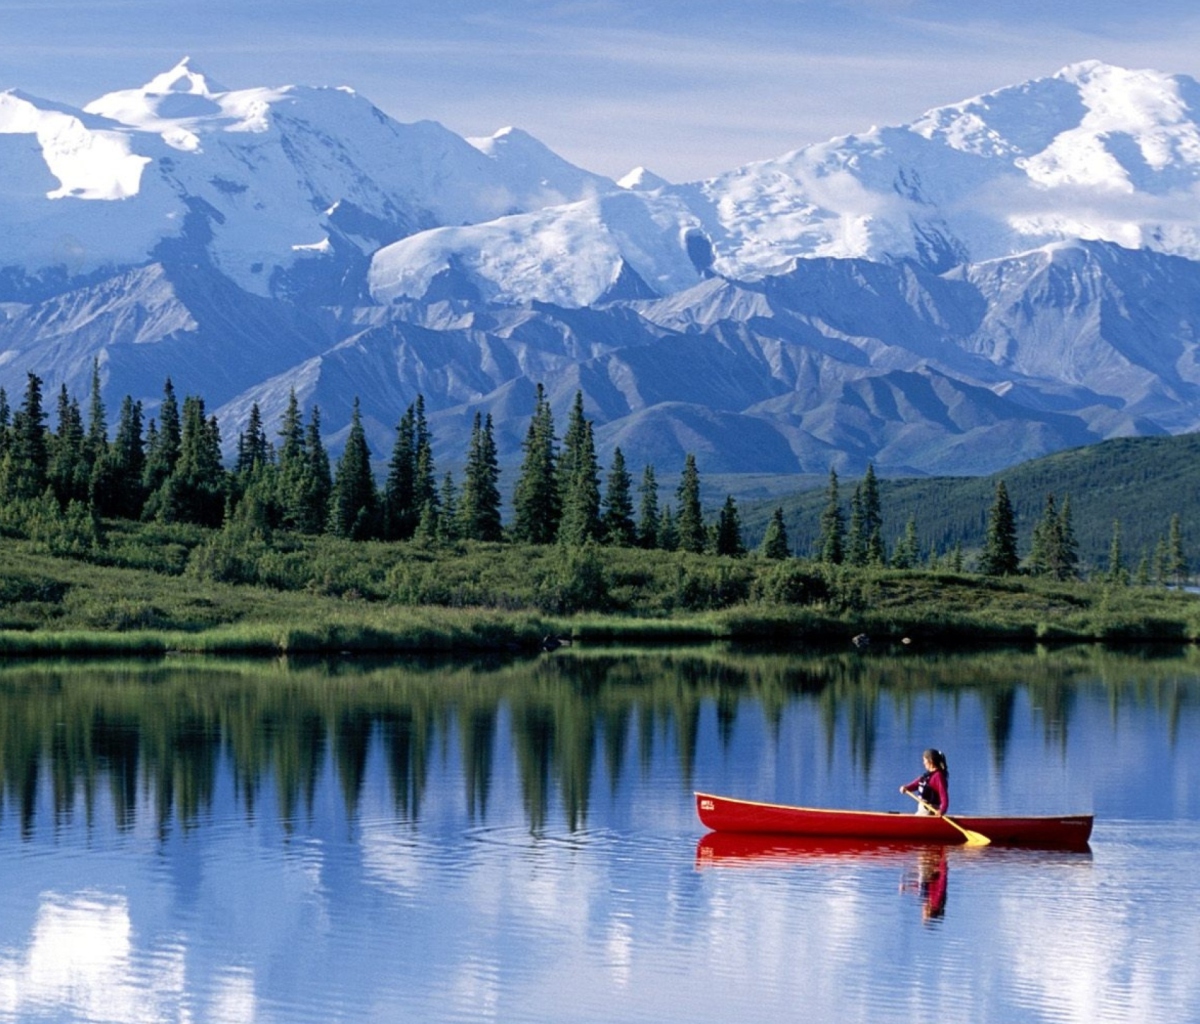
<point>1142,481</point>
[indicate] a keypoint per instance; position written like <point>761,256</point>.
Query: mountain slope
<point>999,279</point>
<point>1140,482</point>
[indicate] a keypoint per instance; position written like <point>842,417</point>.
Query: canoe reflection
<point>925,867</point>
<point>731,849</point>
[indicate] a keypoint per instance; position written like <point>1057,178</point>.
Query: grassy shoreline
<point>434,630</point>
<point>384,599</point>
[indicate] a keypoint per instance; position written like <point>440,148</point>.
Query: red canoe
<point>725,814</point>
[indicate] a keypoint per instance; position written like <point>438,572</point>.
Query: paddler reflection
<point>930,881</point>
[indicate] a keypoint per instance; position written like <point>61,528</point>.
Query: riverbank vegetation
<point>153,588</point>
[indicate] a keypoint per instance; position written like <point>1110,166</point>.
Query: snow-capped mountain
<point>1094,152</point>
<point>261,179</point>
<point>1002,277</point>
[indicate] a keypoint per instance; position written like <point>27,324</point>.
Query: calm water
<point>206,841</point>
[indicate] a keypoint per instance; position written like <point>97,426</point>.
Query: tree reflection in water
<point>162,728</point>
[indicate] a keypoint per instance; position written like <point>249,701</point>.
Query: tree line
<point>170,469</point>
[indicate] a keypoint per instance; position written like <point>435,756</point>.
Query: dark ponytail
<point>938,760</point>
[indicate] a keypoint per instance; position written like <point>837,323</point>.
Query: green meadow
<point>152,588</point>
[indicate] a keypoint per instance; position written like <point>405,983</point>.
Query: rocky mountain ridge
<point>1002,278</point>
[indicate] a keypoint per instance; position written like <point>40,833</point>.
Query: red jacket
<point>932,788</point>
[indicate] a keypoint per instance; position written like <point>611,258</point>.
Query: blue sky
<point>687,88</point>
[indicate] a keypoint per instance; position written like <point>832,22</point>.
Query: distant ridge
<point>1141,481</point>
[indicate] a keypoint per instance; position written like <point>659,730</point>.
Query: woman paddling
<point>932,786</point>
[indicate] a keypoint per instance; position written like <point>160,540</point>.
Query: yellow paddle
<point>973,838</point>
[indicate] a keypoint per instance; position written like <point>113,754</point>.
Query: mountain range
<point>1002,278</point>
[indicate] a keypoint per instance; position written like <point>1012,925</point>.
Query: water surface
<point>197,840</point>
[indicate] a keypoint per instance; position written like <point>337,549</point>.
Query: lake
<point>197,840</point>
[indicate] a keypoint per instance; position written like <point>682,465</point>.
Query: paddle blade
<point>972,838</point>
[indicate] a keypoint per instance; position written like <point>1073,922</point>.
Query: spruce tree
<point>872,513</point>
<point>999,556</point>
<point>28,444</point>
<point>690,520</point>
<point>1117,573</point>
<point>424,483</point>
<point>1046,543</point>
<point>619,528</point>
<point>907,552</point>
<point>67,469</point>
<point>317,485</point>
<point>354,504</point>
<point>253,447</point>
<point>479,501</point>
<point>856,532</point>
<point>162,448</point>
<point>448,522</point>
<point>581,504</point>
<point>1161,570</point>
<point>291,467</point>
<point>400,513</point>
<point>775,541</point>
<point>648,518</point>
<point>410,486</point>
<point>831,540</point>
<point>571,445</point>
<point>96,442</point>
<point>1177,567</point>
<point>116,485</point>
<point>668,531</point>
<point>1052,551</point>
<point>728,540</point>
<point>291,432</point>
<point>196,490</point>
<point>428,526</point>
<point>537,500</point>
<point>1069,546</point>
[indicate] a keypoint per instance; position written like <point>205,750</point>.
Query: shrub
<point>229,556</point>
<point>574,581</point>
<point>791,582</point>
<point>700,586</point>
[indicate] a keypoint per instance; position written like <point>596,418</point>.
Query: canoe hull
<point>726,814</point>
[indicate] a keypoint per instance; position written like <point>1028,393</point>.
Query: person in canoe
<point>932,786</point>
